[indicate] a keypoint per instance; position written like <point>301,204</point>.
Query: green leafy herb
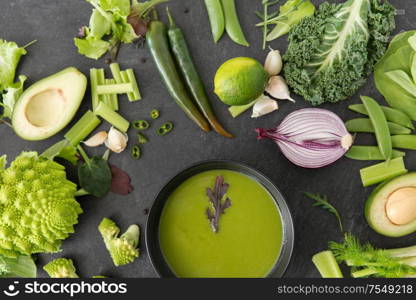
<point>366,260</point>
<point>322,201</point>
<point>218,203</point>
<point>94,175</point>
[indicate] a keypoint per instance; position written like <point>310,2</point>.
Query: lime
<point>240,80</point>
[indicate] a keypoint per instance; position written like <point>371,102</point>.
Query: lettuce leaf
<point>12,94</point>
<point>10,54</point>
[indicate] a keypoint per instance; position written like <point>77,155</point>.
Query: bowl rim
<point>158,204</point>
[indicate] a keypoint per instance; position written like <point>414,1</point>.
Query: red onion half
<point>310,137</point>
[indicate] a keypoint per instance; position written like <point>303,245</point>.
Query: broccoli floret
<point>37,206</point>
<point>61,268</point>
<point>123,249</point>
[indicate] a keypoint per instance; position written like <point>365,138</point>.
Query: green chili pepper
<point>369,153</point>
<point>190,74</point>
<point>155,114</point>
<point>381,128</point>
<point>142,139</point>
<point>392,115</point>
<point>165,128</point>
<point>141,124</point>
<point>216,18</point>
<point>232,24</point>
<point>404,141</point>
<point>158,44</point>
<point>365,125</point>
<point>135,152</point>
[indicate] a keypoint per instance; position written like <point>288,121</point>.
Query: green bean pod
<point>392,115</point>
<point>190,74</point>
<point>381,128</point>
<point>365,125</point>
<point>158,44</point>
<point>216,18</point>
<point>369,153</point>
<point>404,141</point>
<point>232,24</point>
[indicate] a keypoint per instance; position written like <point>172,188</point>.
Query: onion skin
<point>310,138</point>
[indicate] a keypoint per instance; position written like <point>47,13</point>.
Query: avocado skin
<point>374,197</point>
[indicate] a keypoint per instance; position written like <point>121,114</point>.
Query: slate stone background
<point>54,23</point>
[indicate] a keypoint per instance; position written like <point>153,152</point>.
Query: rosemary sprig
<point>322,201</point>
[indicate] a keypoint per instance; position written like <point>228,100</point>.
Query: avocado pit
<point>401,206</point>
<point>45,108</point>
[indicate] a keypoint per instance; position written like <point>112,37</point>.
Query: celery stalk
<point>82,128</point>
<point>402,252</point>
<point>135,95</point>
<point>115,71</point>
<point>94,83</point>
<point>100,81</point>
<point>111,99</point>
<point>327,265</point>
<point>112,117</point>
<point>363,273</point>
<point>118,88</point>
<point>382,171</point>
<point>235,111</point>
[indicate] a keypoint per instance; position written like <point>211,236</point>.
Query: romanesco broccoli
<point>61,268</point>
<point>123,249</point>
<point>37,206</point>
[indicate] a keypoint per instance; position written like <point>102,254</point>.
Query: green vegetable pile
<point>37,206</point>
<point>331,54</point>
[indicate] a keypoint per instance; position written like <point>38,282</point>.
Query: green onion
<point>327,265</point>
<point>154,114</point>
<point>112,117</point>
<point>129,77</point>
<point>380,172</point>
<point>136,152</point>
<point>141,124</point>
<point>82,128</point>
<point>115,71</point>
<point>118,88</point>
<point>165,128</point>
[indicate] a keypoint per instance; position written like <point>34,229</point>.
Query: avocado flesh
<point>48,105</point>
<point>375,207</point>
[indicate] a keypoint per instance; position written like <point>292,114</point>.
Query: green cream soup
<point>249,239</point>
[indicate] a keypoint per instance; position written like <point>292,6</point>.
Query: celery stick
<point>112,117</point>
<point>235,111</point>
<point>100,81</point>
<point>111,99</point>
<point>115,71</point>
<point>327,265</point>
<point>135,95</point>
<point>382,171</point>
<point>94,83</point>
<point>118,88</point>
<point>82,128</point>
<point>363,273</point>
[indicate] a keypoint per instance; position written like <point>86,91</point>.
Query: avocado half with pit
<point>391,208</point>
<point>48,105</point>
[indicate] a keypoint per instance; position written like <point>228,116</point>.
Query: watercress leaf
<point>99,25</point>
<point>120,181</point>
<point>95,176</point>
<point>10,54</point>
<point>92,47</point>
<point>141,9</point>
<point>11,95</point>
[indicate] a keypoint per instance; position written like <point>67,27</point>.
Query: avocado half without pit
<point>391,208</point>
<point>47,106</point>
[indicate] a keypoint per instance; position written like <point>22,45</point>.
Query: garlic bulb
<point>96,140</point>
<point>274,63</point>
<point>264,105</point>
<point>278,88</point>
<point>116,141</point>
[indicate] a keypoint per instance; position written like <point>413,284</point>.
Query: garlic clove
<point>264,105</point>
<point>273,64</point>
<point>277,88</point>
<point>116,140</point>
<point>97,139</point>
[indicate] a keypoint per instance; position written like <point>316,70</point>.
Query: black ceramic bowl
<point>152,226</point>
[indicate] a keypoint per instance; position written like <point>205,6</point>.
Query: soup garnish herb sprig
<point>218,206</point>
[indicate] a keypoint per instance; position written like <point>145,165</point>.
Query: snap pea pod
<point>404,141</point>
<point>216,18</point>
<point>392,115</point>
<point>369,153</point>
<point>190,74</point>
<point>157,41</point>
<point>381,128</point>
<point>365,125</point>
<point>232,24</point>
